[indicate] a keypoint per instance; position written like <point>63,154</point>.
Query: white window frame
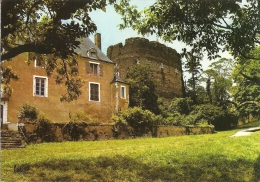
<point>123,92</point>
<point>90,91</point>
<point>45,86</point>
<point>36,66</point>
<point>98,68</point>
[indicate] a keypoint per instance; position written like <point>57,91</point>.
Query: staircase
<point>11,139</point>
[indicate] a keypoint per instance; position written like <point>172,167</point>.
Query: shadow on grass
<point>121,168</point>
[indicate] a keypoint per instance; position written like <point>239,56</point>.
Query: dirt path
<point>246,132</point>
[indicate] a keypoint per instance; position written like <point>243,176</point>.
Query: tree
<point>246,91</point>
<point>219,82</point>
<point>193,67</point>
<point>142,87</point>
<point>49,30</point>
<point>205,25</point>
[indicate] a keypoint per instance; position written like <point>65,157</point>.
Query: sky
<point>107,25</point>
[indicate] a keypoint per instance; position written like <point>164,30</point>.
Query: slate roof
<point>117,78</point>
<point>86,45</point>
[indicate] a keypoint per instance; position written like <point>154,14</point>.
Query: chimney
<point>97,40</point>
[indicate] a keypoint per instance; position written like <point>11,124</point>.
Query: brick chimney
<point>97,40</point>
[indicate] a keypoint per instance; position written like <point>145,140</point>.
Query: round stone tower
<point>165,61</point>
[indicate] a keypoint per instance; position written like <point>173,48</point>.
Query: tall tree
<point>246,91</point>
<point>142,87</point>
<point>193,67</point>
<point>219,82</point>
<point>205,25</point>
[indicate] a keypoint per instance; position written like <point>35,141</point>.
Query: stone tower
<point>165,61</point>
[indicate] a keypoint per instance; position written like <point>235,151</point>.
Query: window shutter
<point>88,68</point>
<point>100,70</point>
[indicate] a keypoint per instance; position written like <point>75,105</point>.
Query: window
<point>123,92</point>
<point>40,85</point>
<point>92,53</point>
<point>94,92</point>
<point>94,69</point>
<point>39,63</point>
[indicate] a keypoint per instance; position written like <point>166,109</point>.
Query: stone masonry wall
<point>166,63</point>
<point>93,132</point>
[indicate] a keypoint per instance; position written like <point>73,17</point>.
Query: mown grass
<point>216,157</point>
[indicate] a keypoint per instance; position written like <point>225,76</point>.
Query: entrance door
<point>3,112</point>
<point>1,115</point>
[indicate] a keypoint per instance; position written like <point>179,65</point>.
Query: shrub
<point>181,105</point>
<point>73,130</point>
<point>140,121</point>
<point>44,129</point>
<point>28,111</point>
<point>221,119</point>
<point>81,116</point>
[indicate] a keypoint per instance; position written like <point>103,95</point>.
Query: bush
<point>44,129</point>
<point>81,116</point>
<point>181,105</point>
<point>172,119</point>
<point>73,130</point>
<point>221,119</point>
<point>28,111</point>
<point>140,121</point>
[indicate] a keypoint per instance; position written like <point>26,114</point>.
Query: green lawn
<point>213,157</point>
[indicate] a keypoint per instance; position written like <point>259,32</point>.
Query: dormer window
<point>92,53</point>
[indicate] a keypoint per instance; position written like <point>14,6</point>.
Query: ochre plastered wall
<point>169,78</point>
<point>118,103</point>
<point>51,106</point>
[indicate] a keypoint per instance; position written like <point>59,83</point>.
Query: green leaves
<point>142,87</point>
<point>210,26</point>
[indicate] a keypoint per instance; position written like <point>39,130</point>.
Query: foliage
<point>44,129</point>
<point>221,119</point>
<point>182,111</point>
<point>211,26</point>
<point>28,111</point>
<point>142,87</point>
<point>6,76</point>
<point>141,121</point>
<point>246,91</point>
<point>81,116</point>
<point>250,124</point>
<point>216,157</point>
<point>71,131</point>
<point>181,105</point>
<point>219,82</point>
<point>193,67</point>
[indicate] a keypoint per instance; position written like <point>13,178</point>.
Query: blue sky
<point>107,25</point>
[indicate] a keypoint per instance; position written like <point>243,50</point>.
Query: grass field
<point>214,157</point>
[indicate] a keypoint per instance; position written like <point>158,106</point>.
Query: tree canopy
<point>246,91</point>
<point>211,26</point>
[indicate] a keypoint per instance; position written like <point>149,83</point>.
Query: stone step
<point>10,139</point>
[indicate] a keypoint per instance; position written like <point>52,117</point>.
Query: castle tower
<point>165,61</point>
